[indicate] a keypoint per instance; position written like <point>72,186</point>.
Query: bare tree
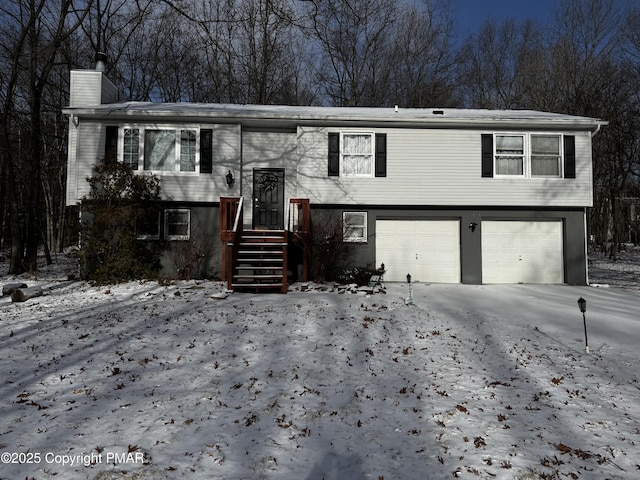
<point>590,79</point>
<point>421,57</point>
<point>352,38</point>
<point>35,32</point>
<point>492,63</point>
<point>265,57</point>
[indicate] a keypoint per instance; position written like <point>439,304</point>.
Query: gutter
<point>139,112</point>
<point>598,127</point>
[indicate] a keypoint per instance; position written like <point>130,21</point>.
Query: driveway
<point>613,314</point>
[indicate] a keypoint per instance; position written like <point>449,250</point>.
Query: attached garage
<point>429,250</point>
<point>522,251</point>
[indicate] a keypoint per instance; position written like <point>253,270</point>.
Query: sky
<point>470,15</point>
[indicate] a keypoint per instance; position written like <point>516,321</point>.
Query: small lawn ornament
<point>409,300</point>
<point>582,304</point>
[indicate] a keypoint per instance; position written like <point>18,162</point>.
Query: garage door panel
<point>427,249</point>
<point>522,252</point>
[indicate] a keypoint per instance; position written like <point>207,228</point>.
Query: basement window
<point>354,227</point>
<point>177,224</point>
<point>148,227</point>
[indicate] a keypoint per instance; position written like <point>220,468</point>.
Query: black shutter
<point>487,155</point>
<point>111,144</point>
<point>206,151</point>
<point>381,154</point>
<point>334,154</point>
<point>569,156</point>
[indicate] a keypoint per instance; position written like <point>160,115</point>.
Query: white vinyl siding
<point>428,250</point>
<point>91,87</point>
<point>436,167</point>
<point>269,150</point>
<point>72,166</point>
<point>182,187</point>
<point>522,252</point>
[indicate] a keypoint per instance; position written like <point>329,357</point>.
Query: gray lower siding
<point>196,257</point>
<point>574,253</point>
<point>201,253</point>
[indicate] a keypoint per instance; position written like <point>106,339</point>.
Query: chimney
<point>92,87</point>
<point>101,62</point>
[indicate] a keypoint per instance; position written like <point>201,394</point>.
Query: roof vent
<point>438,112</point>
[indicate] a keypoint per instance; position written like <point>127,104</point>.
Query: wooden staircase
<point>261,261</point>
<point>256,260</point>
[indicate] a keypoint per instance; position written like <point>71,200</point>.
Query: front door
<point>268,198</point>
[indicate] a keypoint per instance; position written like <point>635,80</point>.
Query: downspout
<point>586,239</point>
<point>586,245</point>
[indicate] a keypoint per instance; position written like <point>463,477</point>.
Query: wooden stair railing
<point>256,260</point>
<point>231,225</point>
<point>299,225</point>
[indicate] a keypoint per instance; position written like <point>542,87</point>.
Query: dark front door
<point>268,198</point>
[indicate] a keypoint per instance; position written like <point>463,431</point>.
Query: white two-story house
<point>445,195</point>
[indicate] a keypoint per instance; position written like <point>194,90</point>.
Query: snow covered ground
<point>149,381</point>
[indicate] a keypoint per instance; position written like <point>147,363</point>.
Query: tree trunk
<point>615,238</point>
<point>15,263</point>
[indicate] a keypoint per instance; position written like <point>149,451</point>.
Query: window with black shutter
<point>569,156</point>
<point>334,154</point>
<point>533,155</point>
<point>206,151</point>
<point>381,155</point>
<point>487,155</point>
<point>111,144</point>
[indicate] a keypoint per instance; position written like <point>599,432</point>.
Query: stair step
<point>261,237</point>
<point>256,285</point>
<point>274,245</point>
<point>258,253</point>
<point>266,268</point>
<point>258,277</point>
<point>259,262</point>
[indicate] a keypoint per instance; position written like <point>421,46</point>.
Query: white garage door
<point>522,252</point>
<point>429,250</point>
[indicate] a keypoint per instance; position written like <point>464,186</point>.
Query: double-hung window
<point>528,155</point>
<point>354,226</point>
<point>546,152</point>
<point>509,155</point>
<point>131,148</point>
<point>148,227</point>
<point>357,154</point>
<point>160,149</point>
<point>177,224</point>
